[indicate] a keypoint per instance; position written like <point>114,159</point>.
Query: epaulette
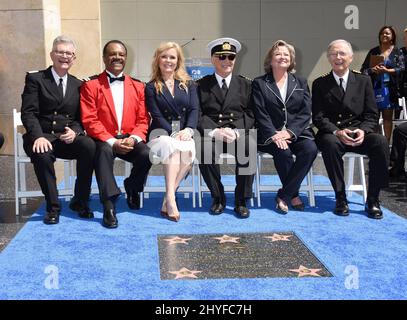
<point>33,71</point>
<point>138,80</point>
<point>204,77</point>
<point>356,71</point>
<point>90,78</point>
<point>325,75</point>
<point>244,77</point>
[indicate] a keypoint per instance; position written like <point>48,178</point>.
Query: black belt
<point>122,136</point>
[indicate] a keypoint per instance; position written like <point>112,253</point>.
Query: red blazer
<point>98,112</point>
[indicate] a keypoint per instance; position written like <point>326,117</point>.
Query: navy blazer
<point>43,113</point>
<point>357,109</point>
<point>172,113</point>
<point>232,111</point>
<point>273,114</point>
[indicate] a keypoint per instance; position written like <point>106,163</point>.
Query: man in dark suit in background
<point>114,114</point>
<point>225,120</point>
<point>345,113</point>
<point>50,113</point>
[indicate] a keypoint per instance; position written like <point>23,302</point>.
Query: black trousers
<point>398,149</point>
<point>104,160</point>
<point>82,149</point>
<point>292,172</point>
<point>375,146</point>
<point>244,149</point>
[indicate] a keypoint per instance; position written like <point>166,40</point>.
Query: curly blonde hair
<point>180,73</point>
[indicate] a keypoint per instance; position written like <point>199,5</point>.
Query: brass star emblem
<point>278,237</point>
<point>185,273</point>
<point>304,272</point>
<point>225,238</point>
<point>176,240</point>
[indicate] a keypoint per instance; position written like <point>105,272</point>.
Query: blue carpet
<point>366,257</point>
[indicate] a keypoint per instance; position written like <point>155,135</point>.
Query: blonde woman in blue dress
<point>171,99</point>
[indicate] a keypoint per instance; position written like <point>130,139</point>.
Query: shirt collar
<point>227,79</point>
<point>57,77</point>
<point>344,77</point>
<point>113,76</point>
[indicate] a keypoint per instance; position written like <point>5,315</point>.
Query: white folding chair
<point>349,183</point>
<point>308,187</point>
<point>21,159</point>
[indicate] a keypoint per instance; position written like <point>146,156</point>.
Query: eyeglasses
<point>337,53</point>
<point>68,54</point>
<point>230,57</point>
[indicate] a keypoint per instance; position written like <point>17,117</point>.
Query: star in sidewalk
<point>303,271</point>
<point>175,240</point>
<point>226,238</point>
<point>278,237</point>
<point>185,273</point>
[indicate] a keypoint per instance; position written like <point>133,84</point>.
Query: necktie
<point>113,79</point>
<point>341,87</point>
<point>61,88</point>
<point>224,88</point>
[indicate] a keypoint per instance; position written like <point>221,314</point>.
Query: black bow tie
<point>112,79</point>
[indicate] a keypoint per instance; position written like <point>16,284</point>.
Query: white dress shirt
<point>64,79</point>
<point>117,89</point>
<point>344,77</point>
<point>227,80</point>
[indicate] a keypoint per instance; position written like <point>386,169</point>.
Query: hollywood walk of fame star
<point>278,237</point>
<point>175,240</point>
<point>226,238</point>
<point>303,271</point>
<point>185,273</point>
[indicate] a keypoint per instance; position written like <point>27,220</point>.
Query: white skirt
<point>164,146</point>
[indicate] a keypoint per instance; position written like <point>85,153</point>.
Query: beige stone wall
<point>28,28</point>
<point>81,21</point>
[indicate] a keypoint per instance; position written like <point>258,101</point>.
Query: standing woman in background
<point>172,101</point>
<point>281,105</point>
<point>387,73</point>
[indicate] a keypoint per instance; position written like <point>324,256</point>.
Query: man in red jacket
<point>115,116</point>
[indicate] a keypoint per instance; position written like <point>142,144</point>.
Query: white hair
<point>347,43</point>
<point>63,39</point>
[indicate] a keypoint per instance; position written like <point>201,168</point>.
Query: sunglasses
<point>230,57</point>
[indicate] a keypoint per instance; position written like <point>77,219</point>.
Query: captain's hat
<point>224,46</point>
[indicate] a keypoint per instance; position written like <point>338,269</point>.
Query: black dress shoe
<point>82,210</point>
<point>281,205</point>
<point>372,207</point>
<point>217,206</point>
<point>109,219</point>
<point>241,210</point>
<point>299,206</point>
<point>341,207</point>
<point>51,217</point>
<point>133,197</point>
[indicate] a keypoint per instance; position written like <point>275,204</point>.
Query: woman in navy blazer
<point>282,107</point>
<point>172,101</point>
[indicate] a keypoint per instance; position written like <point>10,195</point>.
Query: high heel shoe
<point>297,203</point>
<point>167,216</point>
<point>281,206</point>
